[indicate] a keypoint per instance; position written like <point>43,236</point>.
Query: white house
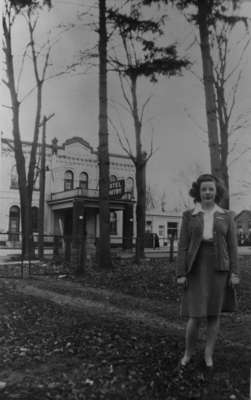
<point>165,224</point>
<point>71,192</point>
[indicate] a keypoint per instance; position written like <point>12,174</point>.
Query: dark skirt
<point>204,294</point>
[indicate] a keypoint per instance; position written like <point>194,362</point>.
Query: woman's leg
<point>192,331</point>
<point>213,323</point>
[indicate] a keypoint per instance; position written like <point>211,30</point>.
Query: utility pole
<point>42,190</point>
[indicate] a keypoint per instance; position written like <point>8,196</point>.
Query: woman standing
<point>206,263</point>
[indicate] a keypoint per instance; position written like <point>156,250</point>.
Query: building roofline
<point>77,139</point>
<point>67,142</point>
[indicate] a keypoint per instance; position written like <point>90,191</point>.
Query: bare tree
<point>205,15</point>
<point>10,12</point>
<point>228,50</point>
<point>38,57</point>
<point>136,57</point>
<point>227,82</point>
<point>152,198</point>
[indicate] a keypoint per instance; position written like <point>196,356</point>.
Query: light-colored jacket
<point>224,240</point>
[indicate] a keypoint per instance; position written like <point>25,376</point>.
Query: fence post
<point>56,246</point>
<point>171,239</point>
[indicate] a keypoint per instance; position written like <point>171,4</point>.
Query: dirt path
<point>101,307</point>
<point>110,305</point>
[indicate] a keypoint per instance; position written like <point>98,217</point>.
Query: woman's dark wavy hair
<point>221,192</point>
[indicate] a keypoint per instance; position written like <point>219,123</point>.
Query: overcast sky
<point>175,117</point>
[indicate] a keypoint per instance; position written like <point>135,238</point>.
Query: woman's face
<point>208,192</point>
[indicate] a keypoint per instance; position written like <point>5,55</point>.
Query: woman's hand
<point>234,279</point>
<point>182,281</point>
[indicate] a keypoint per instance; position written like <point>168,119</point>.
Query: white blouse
<point>208,217</point>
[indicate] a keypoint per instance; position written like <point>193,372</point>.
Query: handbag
<point>230,299</point>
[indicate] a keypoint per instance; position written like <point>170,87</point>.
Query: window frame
<point>161,230</point>
<point>81,181</point>
<point>15,217</point>
<point>14,178</point>
<point>113,223</point>
<point>67,180</point>
<point>172,230</point>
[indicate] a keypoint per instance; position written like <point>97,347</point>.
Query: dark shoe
<point>209,368</point>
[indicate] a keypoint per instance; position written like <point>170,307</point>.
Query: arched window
<point>14,223</point>
<point>113,223</point>
<point>113,178</point>
<point>68,180</point>
<point>129,186</point>
<point>34,219</point>
<point>83,180</point>
<point>13,178</point>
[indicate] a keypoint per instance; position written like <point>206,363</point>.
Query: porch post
<point>78,237</point>
<point>128,227</point>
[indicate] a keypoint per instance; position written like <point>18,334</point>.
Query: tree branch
<point>248,149</point>
<point>124,93</point>
<point>8,107</point>
<point>144,106</point>
<point>46,64</point>
<point>128,149</point>
<point>22,66</point>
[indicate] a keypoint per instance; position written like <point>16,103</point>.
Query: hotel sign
<point>117,189</point>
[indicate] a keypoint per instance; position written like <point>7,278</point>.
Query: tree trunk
<point>26,223</point>
<point>140,210</point>
<point>33,153</point>
<point>224,140</point>
<point>208,79</point>
<point>18,151</point>
<point>140,165</point>
<point>104,253</point>
<point>42,195</point>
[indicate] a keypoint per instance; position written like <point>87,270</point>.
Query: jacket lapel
<point>199,222</point>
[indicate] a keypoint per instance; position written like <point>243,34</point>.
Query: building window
<point>14,178</point>
<point>83,180</point>
<point>172,229</point>
<point>149,226</point>
<point>113,178</point>
<point>34,219</point>
<point>129,186</point>
<point>68,180</point>
<point>161,230</point>
<point>14,223</point>
<point>113,223</point>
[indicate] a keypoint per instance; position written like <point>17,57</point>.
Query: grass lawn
<point>56,352</point>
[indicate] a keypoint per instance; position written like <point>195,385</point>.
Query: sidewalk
<point>6,257</point>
